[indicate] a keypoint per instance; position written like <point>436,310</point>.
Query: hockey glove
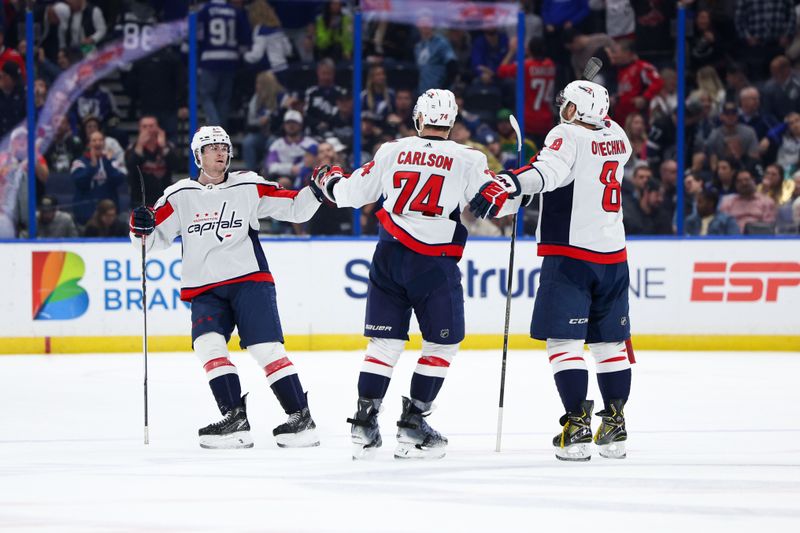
<point>143,221</point>
<point>316,176</point>
<point>326,181</point>
<point>493,195</point>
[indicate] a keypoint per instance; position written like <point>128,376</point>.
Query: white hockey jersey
<point>218,226</point>
<point>579,173</point>
<point>424,182</point>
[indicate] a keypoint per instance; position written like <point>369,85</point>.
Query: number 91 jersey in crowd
<point>424,182</point>
<point>579,173</point>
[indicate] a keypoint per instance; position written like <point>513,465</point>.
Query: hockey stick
<point>509,284</point>
<point>144,311</point>
<point>592,67</point>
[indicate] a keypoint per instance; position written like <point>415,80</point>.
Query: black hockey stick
<point>509,284</point>
<point>592,67</point>
<point>144,311</point>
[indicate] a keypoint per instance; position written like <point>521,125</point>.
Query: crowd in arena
<point>279,79</point>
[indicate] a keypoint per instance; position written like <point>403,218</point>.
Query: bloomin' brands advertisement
<point>677,288</point>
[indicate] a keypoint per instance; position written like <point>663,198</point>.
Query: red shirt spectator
<point>540,75</point>
<point>638,82</point>
<point>9,54</point>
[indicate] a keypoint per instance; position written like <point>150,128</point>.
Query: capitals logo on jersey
<point>204,222</point>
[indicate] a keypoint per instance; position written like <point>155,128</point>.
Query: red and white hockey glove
<point>325,178</point>
<point>493,195</point>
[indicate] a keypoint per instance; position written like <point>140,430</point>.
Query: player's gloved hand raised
<point>493,195</point>
<point>326,179</point>
<point>143,221</point>
<point>316,178</point>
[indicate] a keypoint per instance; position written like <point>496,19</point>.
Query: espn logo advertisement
<point>743,281</point>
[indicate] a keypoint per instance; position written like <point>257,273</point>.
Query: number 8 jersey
<point>424,182</point>
<point>579,173</point>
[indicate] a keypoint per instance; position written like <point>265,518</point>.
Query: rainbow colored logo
<point>56,293</point>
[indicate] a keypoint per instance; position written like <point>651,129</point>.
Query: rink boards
<point>73,296</point>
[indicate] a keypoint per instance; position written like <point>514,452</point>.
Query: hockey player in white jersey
<point>583,286</point>
<point>225,275</point>
<point>423,181</point>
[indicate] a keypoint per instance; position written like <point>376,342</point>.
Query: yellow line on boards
<point>114,344</point>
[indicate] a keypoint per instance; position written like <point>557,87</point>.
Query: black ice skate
<point>415,438</point>
<point>233,431</point>
<point>364,431</point>
<point>611,435</point>
<point>299,431</point>
<point>574,443</point>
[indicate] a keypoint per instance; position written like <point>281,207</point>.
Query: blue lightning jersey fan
<point>223,30</point>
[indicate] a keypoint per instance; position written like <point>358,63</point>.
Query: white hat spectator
<point>293,116</point>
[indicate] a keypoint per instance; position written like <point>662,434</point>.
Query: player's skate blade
<point>408,450</point>
<point>299,431</point>
<point>364,453</point>
<point>303,439</point>
<point>614,450</point>
<point>231,441</point>
<point>575,452</point>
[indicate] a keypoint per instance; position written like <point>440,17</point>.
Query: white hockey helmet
<point>435,107</point>
<point>206,135</point>
<point>590,99</point>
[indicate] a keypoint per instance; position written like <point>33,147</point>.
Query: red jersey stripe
<point>584,255</point>
<point>266,189</point>
<point>187,294</point>
<point>163,212</point>
<point>449,250</point>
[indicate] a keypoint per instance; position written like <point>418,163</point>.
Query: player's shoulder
<point>240,177</point>
<point>179,188</point>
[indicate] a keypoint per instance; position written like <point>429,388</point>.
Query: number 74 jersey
<point>424,182</point>
<point>579,175</point>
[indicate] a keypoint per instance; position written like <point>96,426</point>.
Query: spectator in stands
<point>654,38</point>
<point>401,119</point>
<point>540,75</point>
<point>320,99</point>
<point>378,98</point>
<point>692,187</point>
<point>64,149</point>
<point>95,179</point>
<point>724,179</point>
<point>333,33</point>
<point>80,24</point>
<point>732,139</point>
<point>666,101</point>
<point>14,169</point>
<point>9,54</point>
<point>708,82</point>
<point>633,188</point>
<point>168,103</point>
<point>707,119</point>
<point>647,216</point>
<point>620,19</point>
<point>765,27</point>
<point>488,50</point>
<point>53,223</point>
<point>157,159</point>
<point>285,155</point>
<point>786,221</point>
<point>774,186</point>
<point>582,47</point>
<point>560,15</point>
<point>782,143</point>
<point>435,59</point>
<point>507,138</point>
<point>636,129</point>
<point>342,123</point>
<point>705,45</point>
<point>329,219</point>
<point>97,102</point>
<point>44,69</point>
<point>707,220</point>
<point>263,112</point>
<point>223,30</point>
<point>462,135</point>
<point>12,98</point>
<point>113,150</point>
<point>638,81</point>
<point>750,112</point>
<point>782,91</point>
<point>271,47</point>
<point>735,80</point>
<point>105,222</point>
<point>747,205</point>
<point>668,175</point>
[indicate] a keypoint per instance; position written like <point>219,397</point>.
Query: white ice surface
<point>714,446</point>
